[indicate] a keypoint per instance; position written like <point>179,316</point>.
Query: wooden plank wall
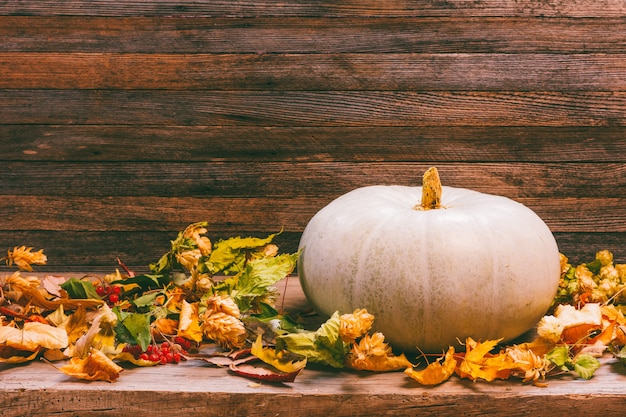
<point>123,121</point>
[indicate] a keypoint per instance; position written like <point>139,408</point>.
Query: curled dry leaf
<point>282,360</point>
<point>262,372</point>
<point>96,366</point>
<point>436,372</point>
<point>33,336</point>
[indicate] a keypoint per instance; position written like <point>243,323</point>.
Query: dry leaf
<point>188,324</point>
<point>436,372</point>
<point>33,336</point>
<point>479,363</point>
<point>281,360</point>
<point>373,354</point>
<point>96,366</point>
<point>13,356</point>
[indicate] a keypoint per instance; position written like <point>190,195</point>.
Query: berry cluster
<point>110,293</point>
<point>166,352</point>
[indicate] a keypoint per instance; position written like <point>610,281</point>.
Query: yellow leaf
<point>280,360</point>
<point>94,367</point>
<point>188,324</point>
<point>436,372</point>
<point>33,336</point>
<point>478,363</point>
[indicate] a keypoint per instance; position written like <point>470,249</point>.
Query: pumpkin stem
<point>431,190</point>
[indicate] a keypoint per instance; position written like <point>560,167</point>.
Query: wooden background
<point>123,121</point>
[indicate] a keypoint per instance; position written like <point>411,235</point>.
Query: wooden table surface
<point>195,388</point>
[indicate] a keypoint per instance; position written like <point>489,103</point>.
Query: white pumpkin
<point>479,265</point>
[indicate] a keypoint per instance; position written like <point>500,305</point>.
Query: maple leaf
<point>436,372</point>
<point>96,366</point>
<point>479,363</point>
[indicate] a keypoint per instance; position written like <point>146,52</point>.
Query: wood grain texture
<point>121,121</point>
<point>345,72</point>
<point>313,108</point>
<point>368,8</point>
<point>312,35</point>
<point>239,144</point>
<point>303,180</point>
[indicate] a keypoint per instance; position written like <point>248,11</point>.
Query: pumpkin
<point>457,264</point>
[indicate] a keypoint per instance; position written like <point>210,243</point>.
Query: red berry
<point>116,289</point>
<point>114,298</point>
<point>100,290</point>
<point>144,357</point>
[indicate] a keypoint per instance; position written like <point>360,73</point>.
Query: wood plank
<point>432,144</point>
<point>600,215</point>
<point>194,389</point>
<point>98,250</point>
<point>308,108</point>
<point>570,8</point>
<point>346,72</point>
<point>202,34</point>
<point>304,180</point>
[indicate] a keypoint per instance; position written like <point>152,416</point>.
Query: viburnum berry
<point>164,353</point>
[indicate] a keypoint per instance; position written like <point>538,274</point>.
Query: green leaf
<point>621,355</point>
<point>133,328</point>
<point>322,346</point>
<point>278,323</point>
<point>594,266</point>
<point>259,276</point>
<point>146,281</point>
<point>229,256</point>
<point>80,289</point>
<point>146,300</point>
<point>585,365</point>
<point>163,265</point>
<point>560,357</point>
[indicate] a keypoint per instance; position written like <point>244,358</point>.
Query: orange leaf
<point>436,372</point>
<point>479,363</point>
<point>94,367</point>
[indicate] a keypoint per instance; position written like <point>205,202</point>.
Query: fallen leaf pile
<point>222,295</point>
